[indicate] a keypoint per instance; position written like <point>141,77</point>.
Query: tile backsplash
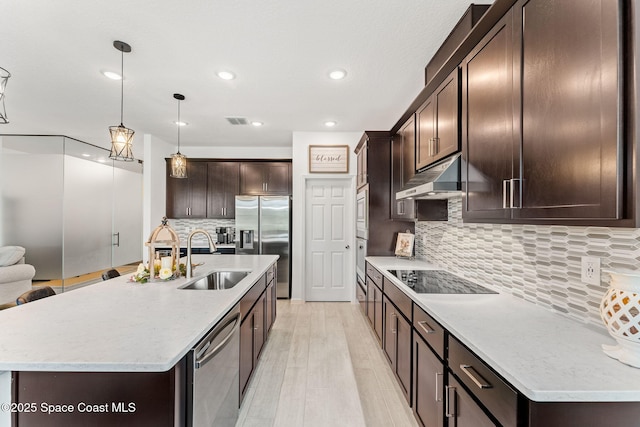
<point>540,264</point>
<point>184,226</point>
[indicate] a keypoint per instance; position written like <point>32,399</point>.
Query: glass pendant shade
<point>178,160</point>
<point>4,78</point>
<point>121,143</point>
<point>178,166</point>
<point>121,137</point>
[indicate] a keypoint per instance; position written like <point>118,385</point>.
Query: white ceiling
<point>280,50</point>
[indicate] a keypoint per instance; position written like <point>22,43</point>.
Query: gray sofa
<point>15,275</point>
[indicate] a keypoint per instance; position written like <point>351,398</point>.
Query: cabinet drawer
<point>271,273</point>
<point>429,330</point>
<point>375,275</point>
<point>252,296</point>
<point>399,298</point>
<point>495,394</point>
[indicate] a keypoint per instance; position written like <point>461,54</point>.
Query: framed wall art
<point>328,159</point>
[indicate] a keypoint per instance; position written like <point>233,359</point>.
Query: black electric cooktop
<point>438,282</point>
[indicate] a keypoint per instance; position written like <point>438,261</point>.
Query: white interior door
<point>329,234</point>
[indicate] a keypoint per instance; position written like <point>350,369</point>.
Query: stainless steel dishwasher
<point>213,393</point>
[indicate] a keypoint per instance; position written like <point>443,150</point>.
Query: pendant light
<point>178,160</point>
<point>4,78</point>
<point>121,137</point>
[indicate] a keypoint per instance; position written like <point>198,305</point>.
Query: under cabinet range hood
<point>440,181</point>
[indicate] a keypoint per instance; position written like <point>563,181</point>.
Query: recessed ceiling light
<point>181,123</point>
<point>86,155</point>
<point>226,75</point>
<point>257,124</point>
<point>102,161</point>
<point>112,75</point>
<point>330,123</point>
<point>337,74</point>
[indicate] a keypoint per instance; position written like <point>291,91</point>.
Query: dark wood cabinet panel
<point>374,308</point>
<point>362,166</point>
<point>258,311</point>
<point>428,385</point>
<point>438,124</point>
<point>542,117</point>
<point>489,144</point>
<point>187,197</point>
<point>259,332</point>
<point>569,99</point>
<point>223,185</point>
<point>397,345</point>
<point>265,178</point>
<point>246,353</point>
<point>382,228</point>
<point>402,144</point>
<point>461,410</point>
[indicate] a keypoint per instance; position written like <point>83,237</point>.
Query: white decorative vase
<point>620,312</point>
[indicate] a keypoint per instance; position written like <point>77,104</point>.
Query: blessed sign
<point>328,158</point>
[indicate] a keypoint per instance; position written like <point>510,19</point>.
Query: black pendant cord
<point>178,125</point>
<point>121,86</point>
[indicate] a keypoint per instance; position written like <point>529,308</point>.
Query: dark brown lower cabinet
<point>461,410</point>
<point>361,296</point>
<point>374,308</point>
<point>270,315</point>
<point>397,346</point>
<point>100,398</point>
<point>255,326</point>
<point>428,385</point>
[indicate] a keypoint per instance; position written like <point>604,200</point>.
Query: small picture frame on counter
<point>404,245</point>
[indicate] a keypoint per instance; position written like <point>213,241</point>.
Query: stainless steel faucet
<point>212,249</point>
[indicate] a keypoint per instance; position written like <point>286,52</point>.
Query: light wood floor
<point>322,366</point>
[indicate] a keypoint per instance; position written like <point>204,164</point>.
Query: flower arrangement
<point>142,273</point>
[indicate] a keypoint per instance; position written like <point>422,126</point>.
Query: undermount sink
<point>218,280</point>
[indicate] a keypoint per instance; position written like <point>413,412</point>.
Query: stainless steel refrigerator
<point>263,226</point>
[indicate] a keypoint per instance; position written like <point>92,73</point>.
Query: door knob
<point>347,247</point>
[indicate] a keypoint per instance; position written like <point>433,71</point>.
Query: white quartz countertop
<point>119,325</point>
<point>545,355</point>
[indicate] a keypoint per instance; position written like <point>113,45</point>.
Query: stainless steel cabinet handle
<point>430,147</point>
<point>505,184</point>
<point>438,397</point>
<point>117,236</point>
<point>481,382</point>
<point>201,361</point>
<point>400,207</point>
<point>436,145</point>
<point>393,331</point>
<point>425,326</point>
<point>450,402</point>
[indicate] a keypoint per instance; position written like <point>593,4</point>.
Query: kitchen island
<point>119,326</point>
<point>551,364</point>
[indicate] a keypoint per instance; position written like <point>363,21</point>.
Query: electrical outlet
<point>590,271</point>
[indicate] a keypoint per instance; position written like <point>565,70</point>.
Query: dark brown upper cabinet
<point>438,124</point>
<point>490,149</point>
<point>187,197</point>
<point>542,118</point>
<point>223,186</point>
<point>265,178</point>
<point>361,175</point>
<point>402,169</point>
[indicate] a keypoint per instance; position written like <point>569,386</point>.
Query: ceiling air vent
<point>237,120</point>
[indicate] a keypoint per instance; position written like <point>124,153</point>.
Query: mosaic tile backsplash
<point>184,226</point>
<point>540,264</point>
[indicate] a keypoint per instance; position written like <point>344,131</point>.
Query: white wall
<point>153,185</point>
<point>300,172</point>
